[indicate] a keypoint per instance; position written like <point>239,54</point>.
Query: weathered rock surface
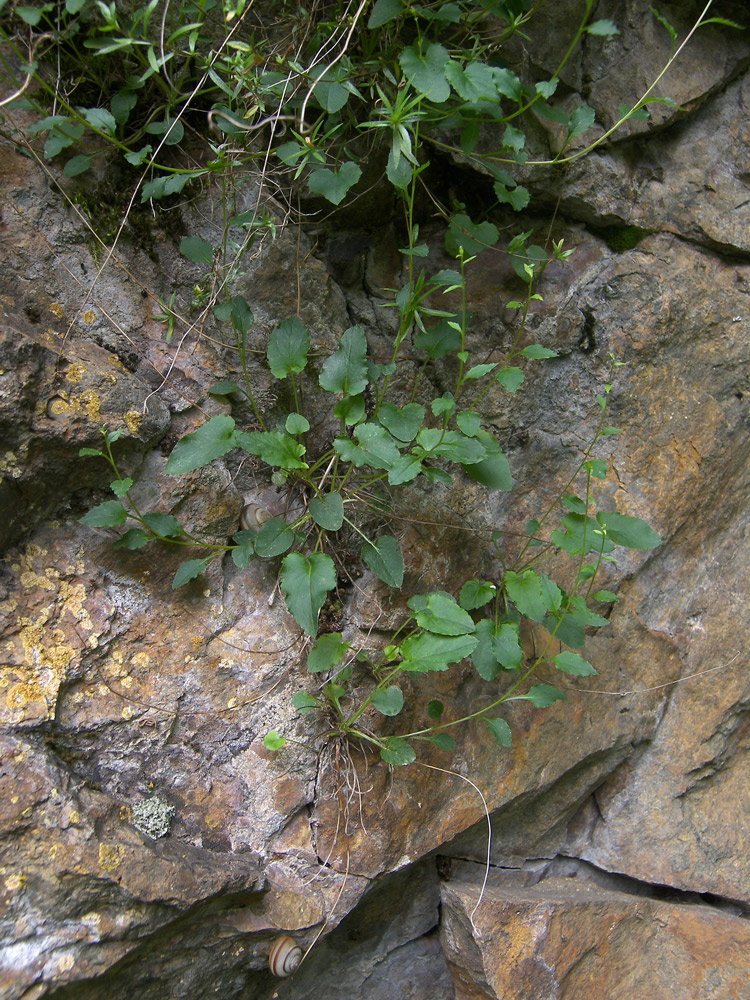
<point>149,844</point>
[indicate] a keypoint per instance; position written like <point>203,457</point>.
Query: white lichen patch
<point>153,817</point>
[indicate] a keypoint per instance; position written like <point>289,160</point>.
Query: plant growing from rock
<point>410,82</point>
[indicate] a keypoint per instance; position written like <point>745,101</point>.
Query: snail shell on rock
<point>284,956</point>
<point>253,517</point>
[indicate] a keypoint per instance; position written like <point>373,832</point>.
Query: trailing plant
<point>195,90</point>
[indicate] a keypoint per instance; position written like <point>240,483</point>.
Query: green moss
<point>622,238</point>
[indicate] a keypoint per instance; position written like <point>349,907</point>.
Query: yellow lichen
<point>75,373</point>
<point>110,856</point>
<point>92,403</point>
<point>57,309</point>
<point>132,420</point>
<point>89,316</point>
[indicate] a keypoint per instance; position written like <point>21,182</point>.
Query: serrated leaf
<point>541,696</point>
<point>273,538</point>
<point>426,71</point>
<point>453,445</point>
<point>288,347</point>
<point>605,26</point>
<point>165,525</point>
<point>272,740</point>
<point>189,570</point>
<point>517,197</point>
<point>109,514</point>
<point>212,440</point>
<point>473,237</point>
<point>135,538</point>
<point>581,120</point>
<point>385,560</point>
<point>426,651</point>
<point>334,185</point>
<point>468,422</point>
<point>328,511</point>
<point>120,487</point>
<point>276,448</point>
<point>346,369</point>
<point>404,422</point>
<point>390,701</point>
<point>444,616</point>
<point>405,469</point>
<point>630,532</point>
<point>327,652</point>
<point>572,663</point>
<point>195,248</point>
<point>474,83</point>
<point>510,378</point>
<point>507,83</point>
<point>475,594</point>
<point>528,594</point>
<point>537,352</point>
<point>398,752</point>
<point>498,648</point>
<point>501,731</point>
<point>100,118</point>
<point>305,581</point>
<point>376,447</point>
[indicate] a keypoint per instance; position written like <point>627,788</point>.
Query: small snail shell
<point>284,956</point>
<point>253,517</point>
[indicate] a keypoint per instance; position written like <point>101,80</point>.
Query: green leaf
<point>305,581</point>
<point>498,648</point>
<point>385,11</point>
<point>439,341</point>
<point>212,440</point>
<point>442,741</point>
<point>474,83</point>
<point>295,424</point>
<point>572,663</point>
<point>109,514</point>
<point>605,596</point>
<point>507,83</point>
<point>404,422</point>
<point>517,197</point>
<point>501,731</point>
<point>444,616</point>
<point>531,594</point>
<point>473,237</point>
<point>196,249</point>
<point>597,467</point>
<point>453,445</point>
<point>77,165</point>
<point>273,538</point>
<point>541,696</point>
<point>573,541</point>
<point>224,388</point>
<point>139,156</point>
<point>376,447</point>
<point>665,24</point>
<point>164,524</point>
<point>385,560</point>
<point>581,120</point>
<point>328,511</point>
<point>574,503</point>
<point>398,752</point>
<point>164,186</point>
<point>245,550</point>
<point>603,27</point>
<point>31,15</point>
<point>510,378</point>
<point>494,471</point>
<point>443,406</point>
<point>346,369</point>
<point>90,452</point>
<point>101,119</point>
<point>435,709</point>
<point>189,570</point>
<point>171,128</point>
<point>272,740</point>
<point>334,185</point>
<point>475,594</point>
<point>390,701</point>
<point>630,532</point>
<point>469,422</point>
<point>326,653</point>
<point>536,351</point>
<point>405,469</point>
<point>135,538</point>
<point>120,487</point>
<point>273,447</point>
<point>350,409</point>
<point>426,651</point>
<point>479,371</point>
<point>304,702</point>
<point>426,71</point>
<point>122,104</point>
<point>288,346</point>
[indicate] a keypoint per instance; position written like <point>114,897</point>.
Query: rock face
<point>150,845</point>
